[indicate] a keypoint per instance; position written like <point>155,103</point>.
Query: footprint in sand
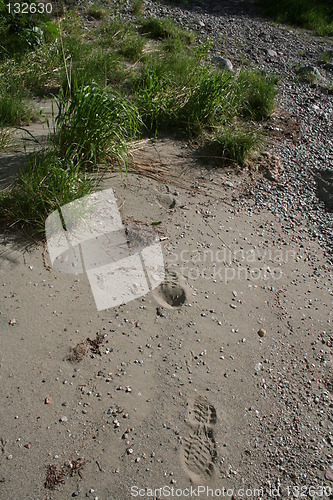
<point>202,413</point>
<point>199,449</point>
<point>171,293</point>
<point>166,200</point>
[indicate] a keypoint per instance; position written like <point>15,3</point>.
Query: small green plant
<point>205,102</point>
<point>256,94</point>
<point>96,11</point>
<point>14,109</point>
<point>233,143</point>
<point>44,184</point>
<point>137,7</point>
<point>326,57</point>
<point>161,29</point>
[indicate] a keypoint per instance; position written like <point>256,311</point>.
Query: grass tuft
<point>161,29</point>
<point>256,94</point>
<point>94,125</point>
<point>44,184</point>
<point>233,143</point>
<point>96,11</point>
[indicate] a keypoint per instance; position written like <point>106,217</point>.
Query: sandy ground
<point>180,395</point>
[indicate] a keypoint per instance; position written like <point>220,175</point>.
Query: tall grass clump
<point>14,108</point>
<point>234,144</point>
<point>316,15</point>
<point>93,126</point>
<point>160,29</point>
<point>255,94</point>
<point>205,102</point>
<point>137,7</point>
<point>184,95</point>
<point>44,184</point>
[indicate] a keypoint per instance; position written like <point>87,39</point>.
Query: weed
<point>14,110</point>
<point>233,143</point>
<point>44,184</point>
<point>205,101</point>
<point>96,11</point>
<point>256,94</point>
<point>160,29</point>
<point>137,7</point>
<point>326,57</point>
<point>94,125</point>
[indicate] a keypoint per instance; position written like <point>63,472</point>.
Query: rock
<point>271,53</point>
<point>329,475</point>
<point>257,367</point>
<point>223,63</point>
<point>262,332</point>
<point>309,73</point>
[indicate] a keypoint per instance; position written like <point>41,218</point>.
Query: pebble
<point>329,475</point>
<point>271,53</point>
<point>223,63</point>
<point>262,332</point>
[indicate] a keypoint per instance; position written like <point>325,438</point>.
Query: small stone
<point>257,367</point>
<point>262,332</point>
<point>48,400</point>
<point>27,445</point>
<point>271,53</point>
<point>12,321</point>
<point>63,419</point>
<point>329,475</point>
<point>129,451</point>
<point>223,63</point>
